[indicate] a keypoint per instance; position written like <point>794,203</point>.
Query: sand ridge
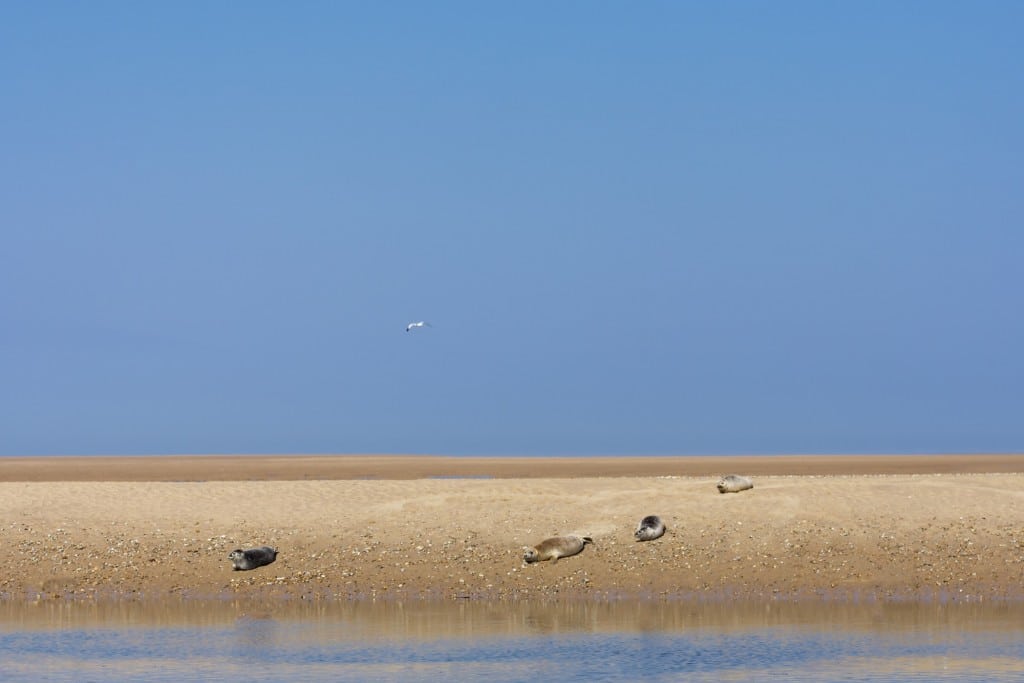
<point>305,467</point>
<point>885,536</point>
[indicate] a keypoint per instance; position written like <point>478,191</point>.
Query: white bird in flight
<point>421,323</point>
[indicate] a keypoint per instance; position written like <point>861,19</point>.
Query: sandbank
<point>424,527</point>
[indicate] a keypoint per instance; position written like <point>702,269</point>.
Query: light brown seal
<point>649,528</point>
<point>734,483</point>
<point>554,548</point>
<point>245,560</point>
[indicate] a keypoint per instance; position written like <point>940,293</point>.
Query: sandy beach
<point>350,527</point>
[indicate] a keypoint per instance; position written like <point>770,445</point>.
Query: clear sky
<point>652,228</point>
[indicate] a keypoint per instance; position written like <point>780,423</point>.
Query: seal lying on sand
<point>650,528</point>
<point>554,548</point>
<point>252,558</point>
<point>734,483</point>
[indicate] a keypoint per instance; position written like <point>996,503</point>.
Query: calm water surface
<point>611,641</point>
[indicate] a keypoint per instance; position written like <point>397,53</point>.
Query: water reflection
<point>576,641</point>
<point>454,619</point>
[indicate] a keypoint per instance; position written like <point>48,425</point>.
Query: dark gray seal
<point>649,528</point>
<point>244,560</point>
<point>734,483</point>
<point>554,548</point>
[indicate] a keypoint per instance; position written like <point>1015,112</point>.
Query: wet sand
<point>350,527</point>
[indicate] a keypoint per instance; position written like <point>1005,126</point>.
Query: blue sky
<point>657,228</point>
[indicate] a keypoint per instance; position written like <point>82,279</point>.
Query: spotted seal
<point>734,483</point>
<point>649,528</point>
<point>554,548</point>
<point>245,560</point>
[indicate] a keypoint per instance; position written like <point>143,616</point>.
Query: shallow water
<point>574,641</point>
